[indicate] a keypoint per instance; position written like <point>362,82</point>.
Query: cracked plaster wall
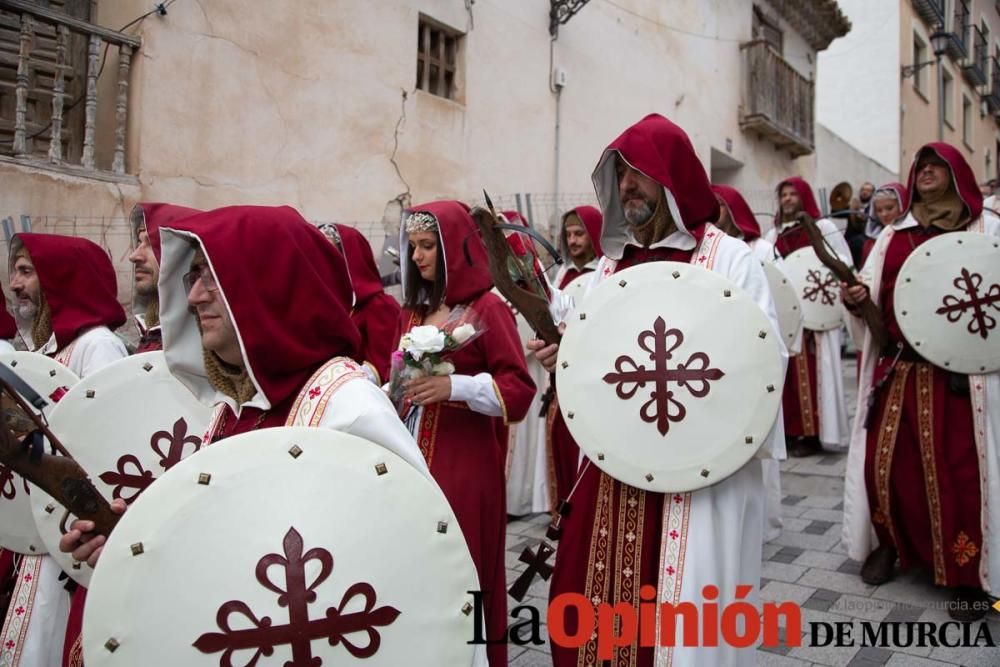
<point>301,103</point>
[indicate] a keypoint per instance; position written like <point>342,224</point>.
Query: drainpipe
<point>940,73</point>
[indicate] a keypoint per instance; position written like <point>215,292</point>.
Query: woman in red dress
<point>460,418</point>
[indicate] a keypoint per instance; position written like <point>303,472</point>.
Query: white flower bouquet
<point>422,349</point>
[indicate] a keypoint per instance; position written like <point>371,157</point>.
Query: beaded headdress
<point>420,222</point>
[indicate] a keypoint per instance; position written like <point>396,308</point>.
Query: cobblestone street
<point>808,564</point>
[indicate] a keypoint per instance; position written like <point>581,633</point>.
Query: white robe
<point>722,526</point>
<point>527,460</point>
<point>45,635</point>
<point>764,251</point>
<point>833,428</point>
<point>858,534</point>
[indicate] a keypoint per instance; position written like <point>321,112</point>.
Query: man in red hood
<point>579,243</point>
<point>580,247</point>
<point>658,205</point>
<point>251,345</point>
<point>737,220</point>
<point>374,312</point>
<point>145,222</point>
<point>66,304</point>
<point>921,468</point>
<point>813,400</point>
<point>59,314</point>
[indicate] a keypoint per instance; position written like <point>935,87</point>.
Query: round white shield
<point>817,288</point>
<point>786,302</point>
<point>125,425</point>
<point>657,353</point>
<point>51,380</point>
<point>298,544</point>
<point>947,301</point>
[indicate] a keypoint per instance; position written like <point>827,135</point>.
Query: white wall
<point>858,81</point>
<point>305,106</point>
<point>839,161</point>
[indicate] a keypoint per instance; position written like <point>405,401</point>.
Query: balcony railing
<point>931,11</point>
<point>992,95</point>
<point>956,47</point>
<point>50,63</point>
<point>777,101</point>
<point>976,67</point>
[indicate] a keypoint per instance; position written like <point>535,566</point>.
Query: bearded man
<point>145,222</point>
<point>579,243</point>
<point>658,206</point>
<point>921,467</point>
<point>813,399</point>
<point>66,305</point>
<point>232,335</point>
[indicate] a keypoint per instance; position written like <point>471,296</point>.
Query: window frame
<point>439,47</point>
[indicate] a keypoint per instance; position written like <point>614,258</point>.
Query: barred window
<point>437,58</point>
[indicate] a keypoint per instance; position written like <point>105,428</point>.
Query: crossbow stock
<point>867,308</point>
<point>533,306</point>
<point>59,476</point>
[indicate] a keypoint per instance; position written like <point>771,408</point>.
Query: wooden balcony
<point>777,101</point>
<point>50,63</point>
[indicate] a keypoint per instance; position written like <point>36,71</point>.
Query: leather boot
<point>969,604</point>
<point>878,567</point>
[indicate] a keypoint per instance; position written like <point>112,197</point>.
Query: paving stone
<point>863,608</point>
<point>912,593</point>
<point>900,660</point>
<point>821,560</point>
<point>794,525</point>
<point>782,558</point>
<point>804,541</point>
<point>786,554</point>
<point>868,656</point>
<point>831,459</point>
<point>780,591</point>
<point>822,502</point>
<point>817,604</point>
<point>818,527</point>
<point>770,549</point>
<point>532,658</point>
<point>792,511</point>
<point>839,548</point>
<point>792,500</point>
<point>980,656</point>
<point>780,650</point>
<point>781,571</point>
<point>835,656</point>
<point>900,613</point>
<point>826,594</point>
<point>833,516</point>
<point>850,567</point>
<point>767,659</point>
<point>837,581</point>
